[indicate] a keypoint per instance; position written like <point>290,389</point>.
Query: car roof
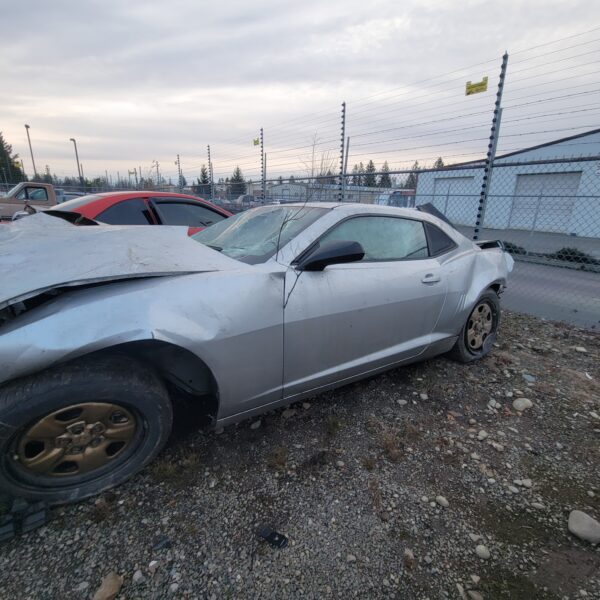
<point>146,193</point>
<point>93,204</point>
<point>358,207</point>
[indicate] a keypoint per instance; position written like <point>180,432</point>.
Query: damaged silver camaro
<point>101,327</point>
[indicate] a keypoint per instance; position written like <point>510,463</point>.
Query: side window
<point>38,194</point>
<point>186,213</point>
<point>128,212</point>
<point>32,193</point>
<point>383,238</point>
<point>439,242</point>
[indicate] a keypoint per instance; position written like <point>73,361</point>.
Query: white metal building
<point>562,197</point>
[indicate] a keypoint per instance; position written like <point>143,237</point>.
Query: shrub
<point>574,255</point>
<point>512,248</point>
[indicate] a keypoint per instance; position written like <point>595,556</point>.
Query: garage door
<point>544,201</point>
<point>457,198</point>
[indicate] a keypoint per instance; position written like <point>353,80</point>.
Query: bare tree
<point>318,166</point>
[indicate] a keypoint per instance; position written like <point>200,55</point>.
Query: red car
<point>146,208</point>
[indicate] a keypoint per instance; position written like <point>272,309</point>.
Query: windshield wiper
<point>217,248</point>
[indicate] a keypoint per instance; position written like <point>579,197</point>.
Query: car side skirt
<point>440,346</point>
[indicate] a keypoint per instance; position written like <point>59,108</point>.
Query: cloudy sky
<point>139,81</point>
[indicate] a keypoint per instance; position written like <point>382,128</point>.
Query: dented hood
<point>41,252</point>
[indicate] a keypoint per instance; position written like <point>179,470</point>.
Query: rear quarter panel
<point>469,272</point>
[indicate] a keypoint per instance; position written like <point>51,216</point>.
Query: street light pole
<point>77,159</point>
<point>31,151</point>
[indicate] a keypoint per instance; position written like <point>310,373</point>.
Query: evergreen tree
<point>355,176</point>
<point>292,179</point>
<point>204,175</point>
<point>438,164</point>
<point>237,183</point>
<point>46,177</point>
<point>202,186</point>
<point>385,181</point>
<point>411,180</point>
<point>10,167</point>
<point>370,179</point>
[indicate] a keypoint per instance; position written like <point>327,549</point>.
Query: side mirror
<point>20,214</point>
<point>331,253</point>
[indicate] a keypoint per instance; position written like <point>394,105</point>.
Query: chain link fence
<point>484,143</point>
<point>547,214</point>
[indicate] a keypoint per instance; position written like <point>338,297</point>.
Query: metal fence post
<point>210,174</point>
<point>263,178</point>
<point>342,186</point>
<point>491,153</point>
<point>180,175</point>
<point>346,168</point>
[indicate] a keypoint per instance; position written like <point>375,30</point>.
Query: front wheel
<point>76,430</point>
<point>478,334</point>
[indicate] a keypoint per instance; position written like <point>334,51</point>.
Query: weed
<point>332,425</point>
<point>512,248</point>
<point>278,458</point>
<point>103,507</point>
<point>573,255</point>
<point>179,473</point>
<point>391,444</point>
<point>369,463</point>
<point>375,491</point>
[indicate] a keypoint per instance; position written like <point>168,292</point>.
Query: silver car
<point>103,329</point>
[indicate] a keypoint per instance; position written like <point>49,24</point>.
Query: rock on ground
<point>584,527</point>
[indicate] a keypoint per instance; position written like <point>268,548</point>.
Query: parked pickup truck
<point>28,193</point>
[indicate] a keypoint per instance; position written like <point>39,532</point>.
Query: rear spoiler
<point>487,244</point>
<point>70,216</point>
<point>430,209</point>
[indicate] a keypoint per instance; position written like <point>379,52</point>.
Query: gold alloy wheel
<point>76,439</point>
<point>479,326</point>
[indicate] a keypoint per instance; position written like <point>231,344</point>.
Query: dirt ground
<point>387,488</point>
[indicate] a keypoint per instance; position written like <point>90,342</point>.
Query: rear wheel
<point>74,431</point>
<point>479,332</point>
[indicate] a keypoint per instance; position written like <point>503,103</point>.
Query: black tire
<point>113,380</point>
<point>462,350</point>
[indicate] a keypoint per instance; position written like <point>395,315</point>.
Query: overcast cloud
<point>136,81</point>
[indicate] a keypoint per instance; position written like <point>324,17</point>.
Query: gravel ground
<point>389,488</point>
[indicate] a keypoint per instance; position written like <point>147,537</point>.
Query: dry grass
<point>178,471</point>
<point>103,507</point>
<point>369,463</point>
<point>389,439</point>
<point>375,492</point>
<point>332,425</point>
<point>278,458</point>
<point>391,445</point>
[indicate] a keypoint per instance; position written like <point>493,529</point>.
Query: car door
<point>181,212</point>
<point>350,319</point>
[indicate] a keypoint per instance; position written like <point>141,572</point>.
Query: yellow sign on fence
<point>477,87</point>
<point>256,141</point>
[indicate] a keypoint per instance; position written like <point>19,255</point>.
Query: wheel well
<point>497,287</point>
<point>188,377</point>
